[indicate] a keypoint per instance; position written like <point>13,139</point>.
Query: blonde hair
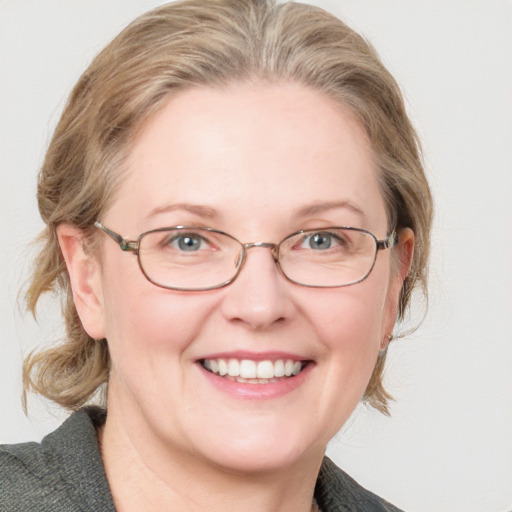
<point>192,43</point>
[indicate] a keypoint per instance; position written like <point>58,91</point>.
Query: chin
<point>260,448</point>
<point>259,461</point>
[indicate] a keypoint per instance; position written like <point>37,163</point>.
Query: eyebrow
<point>321,207</point>
<point>211,213</point>
<point>196,209</point>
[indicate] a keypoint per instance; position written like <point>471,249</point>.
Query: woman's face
<point>258,162</point>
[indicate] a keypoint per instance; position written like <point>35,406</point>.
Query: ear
<point>85,279</point>
<point>405,249</point>
<point>399,270</point>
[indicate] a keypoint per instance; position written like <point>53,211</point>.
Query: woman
<point>236,215</point>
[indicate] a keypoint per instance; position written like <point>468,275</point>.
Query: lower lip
<point>257,391</point>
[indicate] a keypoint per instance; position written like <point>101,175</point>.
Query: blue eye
<point>321,240</point>
<point>188,242</point>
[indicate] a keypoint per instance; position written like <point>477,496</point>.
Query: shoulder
<point>50,476</point>
<point>336,491</point>
<point>27,475</point>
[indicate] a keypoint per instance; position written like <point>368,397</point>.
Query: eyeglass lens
<point>198,259</point>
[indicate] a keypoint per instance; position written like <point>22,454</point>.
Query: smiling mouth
<point>247,371</point>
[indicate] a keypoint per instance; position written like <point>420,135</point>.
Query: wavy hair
<point>194,43</point>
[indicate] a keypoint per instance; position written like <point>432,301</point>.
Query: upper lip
<point>255,356</point>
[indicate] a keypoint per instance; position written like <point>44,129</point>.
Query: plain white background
<point>448,445</point>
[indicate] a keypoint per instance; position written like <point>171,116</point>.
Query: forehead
<point>250,152</point>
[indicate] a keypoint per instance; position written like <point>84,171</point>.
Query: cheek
<point>153,321</point>
<point>146,324</point>
<point>350,322</point>
<point>347,324</point>
<point>351,315</point>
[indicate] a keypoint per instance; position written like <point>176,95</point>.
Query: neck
<point>153,476</point>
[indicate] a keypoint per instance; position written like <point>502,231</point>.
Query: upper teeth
<point>249,369</point>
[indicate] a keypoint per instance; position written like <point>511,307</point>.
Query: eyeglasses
<point>194,259</point>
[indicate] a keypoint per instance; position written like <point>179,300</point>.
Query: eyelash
<point>332,239</point>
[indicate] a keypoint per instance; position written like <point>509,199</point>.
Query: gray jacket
<point>65,474</point>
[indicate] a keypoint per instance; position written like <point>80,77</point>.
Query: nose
<point>260,295</point>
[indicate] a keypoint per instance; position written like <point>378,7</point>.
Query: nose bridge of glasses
<point>264,245</point>
<point>251,245</point>
<point>269,245</point>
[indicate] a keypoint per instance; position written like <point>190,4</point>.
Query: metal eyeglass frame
<point>132,246</point>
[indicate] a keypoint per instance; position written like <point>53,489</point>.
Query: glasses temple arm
<point>125,245</point>
<point>389,242</point>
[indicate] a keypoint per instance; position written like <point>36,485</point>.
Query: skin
<point>254,157</point>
